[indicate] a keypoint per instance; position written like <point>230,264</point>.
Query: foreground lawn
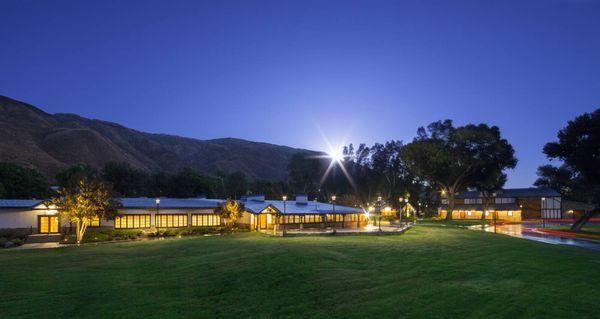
<point>435,272</point>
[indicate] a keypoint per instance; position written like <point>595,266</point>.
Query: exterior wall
<point>161,211</point>
<point>477,214</point>
<point>24,218</point>
<point>246,219</point>
<point>531,207</point>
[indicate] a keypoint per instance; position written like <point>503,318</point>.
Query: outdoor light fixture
<point>284,198</point>
<point>157,201</point>
<point>333,198</point>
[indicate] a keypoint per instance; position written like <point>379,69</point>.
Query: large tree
<point>81,204</point>
<point>454,158</point>
<point>578,146</point>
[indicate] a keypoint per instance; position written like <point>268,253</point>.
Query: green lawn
<point>453,222</point>
<point>436,272</point>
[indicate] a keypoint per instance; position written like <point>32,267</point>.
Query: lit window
<point>469,213</point>
<point>510,213</point>
<point>132,221</point>
<point>200,220</point>
<point>94,222</point>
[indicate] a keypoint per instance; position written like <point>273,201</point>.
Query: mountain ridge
<point>51,142</point>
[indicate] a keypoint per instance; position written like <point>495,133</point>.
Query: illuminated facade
<point>515,204</point>
<point>261,214</point>
<point>152,213</point>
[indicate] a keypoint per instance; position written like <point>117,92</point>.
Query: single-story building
<point>300,213</point>
<point>35,217</point>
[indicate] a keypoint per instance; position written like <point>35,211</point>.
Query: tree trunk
<point>80,230</point>
<point>450,193</point>
<point>584,219</point>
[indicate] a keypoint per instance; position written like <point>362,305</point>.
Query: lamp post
<point>418,211</point>
<point>333,198</point>
<point>284,198</point>
<point>542,212</point>
<point>157,201</point>
<point>406,206</point>
<point>379,211</point>
<point>400,199</point>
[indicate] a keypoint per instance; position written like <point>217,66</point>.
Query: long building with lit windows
<point>514,204</point>
<point>151,213</point>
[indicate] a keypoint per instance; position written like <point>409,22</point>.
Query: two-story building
<point>512,204</point>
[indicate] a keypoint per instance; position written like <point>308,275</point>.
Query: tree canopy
<point>578,147</point>
<point>83,202</point>
<point>20,182</point>
<point>455,158</point>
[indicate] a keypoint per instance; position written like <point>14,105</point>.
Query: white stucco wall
<point>28,218</point>
<point>22,218</point>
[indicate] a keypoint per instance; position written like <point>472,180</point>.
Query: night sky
<point>282,71</point>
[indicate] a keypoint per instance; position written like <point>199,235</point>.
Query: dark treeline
<point>127,181</point>
<point>23,183</point>
<point>365,174</point>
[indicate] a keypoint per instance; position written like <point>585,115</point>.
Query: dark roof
<point>145,202</point>
<point>512,206</point>
<point>19,203</point>
<point>294,208</point>
<point>515,192</point>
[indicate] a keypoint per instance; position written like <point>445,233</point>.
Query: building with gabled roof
<point>511,204</point>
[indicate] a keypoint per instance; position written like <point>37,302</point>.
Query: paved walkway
<point>533,232</point>
<point>367,230</point>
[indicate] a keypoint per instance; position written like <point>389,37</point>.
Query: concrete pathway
<point>532,232</point>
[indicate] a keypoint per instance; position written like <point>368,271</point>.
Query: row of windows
<point>497,200</point>
<point>205,220</point>
<point>509,213</point>
<point>178,220</point>
<point>166,220</point>
<point>505,200</point>
<point>297,219</point>
<point>132,221</point>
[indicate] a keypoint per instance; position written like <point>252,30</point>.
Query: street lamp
<point>284,199</point>
<point>157,201</point>
<point>379,210</point>
<point>333,198</point>
<point>542,212</point>
<point>400,199</point>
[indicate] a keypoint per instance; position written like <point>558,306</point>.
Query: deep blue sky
<point>278,71</point>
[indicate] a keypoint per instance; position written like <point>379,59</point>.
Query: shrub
<point>10,234</point>
<point>18,241</point>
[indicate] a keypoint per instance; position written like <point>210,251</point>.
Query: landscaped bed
<point>427,272</point>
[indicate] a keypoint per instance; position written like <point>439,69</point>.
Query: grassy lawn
<point>454,222</point>
<point>437,272</point>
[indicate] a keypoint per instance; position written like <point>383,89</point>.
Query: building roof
<point>19,203</point>
<point>515,192</point>
<point>297,208</point>
<point>511,206</point>
<point>145,202</point>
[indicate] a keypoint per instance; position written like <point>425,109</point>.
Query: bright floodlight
<point>336,155</point>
